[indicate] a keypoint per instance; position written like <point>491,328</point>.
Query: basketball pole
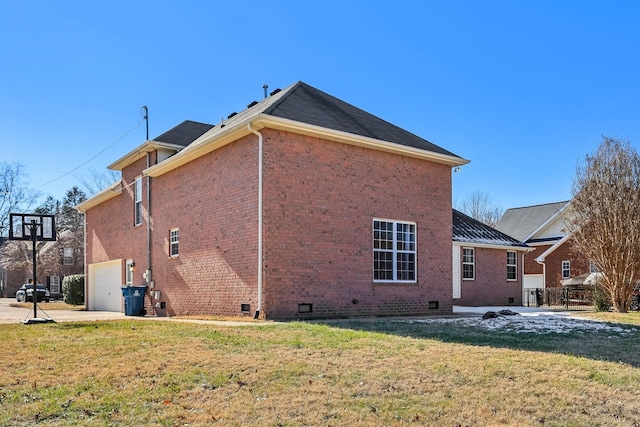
<point>33,227</point>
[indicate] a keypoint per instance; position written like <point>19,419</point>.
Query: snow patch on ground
<point>530,321</point>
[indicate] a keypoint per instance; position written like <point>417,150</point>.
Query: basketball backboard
<point>20,226</point>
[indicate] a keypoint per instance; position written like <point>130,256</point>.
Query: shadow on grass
<point>618,343</point>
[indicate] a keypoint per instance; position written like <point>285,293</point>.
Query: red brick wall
<point>320,201</point>
<point>530,264</point>
<point>490,286</point>
<point>553,264</point>
<point>110,230</point>
<point>213,201</point>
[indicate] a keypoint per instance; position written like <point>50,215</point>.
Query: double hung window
<point>174,237</point>
<point>394,251</point>
<point>512,266</point>
<point>138,201</point>
<point>566,269</point>
<point>468,264</point>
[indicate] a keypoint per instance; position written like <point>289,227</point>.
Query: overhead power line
<point>84,163</point>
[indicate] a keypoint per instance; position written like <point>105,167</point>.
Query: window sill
<point>395,282</point>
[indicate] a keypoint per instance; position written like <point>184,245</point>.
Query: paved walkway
<point>10,314</point>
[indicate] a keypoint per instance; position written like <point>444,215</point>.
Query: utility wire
<point>105,149</point>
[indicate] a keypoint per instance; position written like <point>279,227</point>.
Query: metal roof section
<point>525,222</point>
<point>472,231</point>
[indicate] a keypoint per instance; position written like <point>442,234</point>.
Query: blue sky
<point>523,89</point>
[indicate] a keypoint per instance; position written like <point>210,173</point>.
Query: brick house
<point>543,227</point>
<point>301,206</point>
<point>487,264</point>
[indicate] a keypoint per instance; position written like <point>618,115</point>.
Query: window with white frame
<point>512,266</point>
<point>67,256</point>
<point>593,268</point>
<point>128,273</point>
<point>468,264</point>
<point>394,251</point>
<point>174,237</point>
<point>54,284</point>
<point>138,201</point>
<point>566,269</point>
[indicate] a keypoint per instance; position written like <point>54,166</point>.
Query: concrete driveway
<point>10,314</point>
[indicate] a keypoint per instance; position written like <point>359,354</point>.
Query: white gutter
<point>493,246</point>
<point>541,259</point>
<point>260,149</point>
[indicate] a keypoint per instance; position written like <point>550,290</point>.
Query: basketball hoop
<point>34,227</point>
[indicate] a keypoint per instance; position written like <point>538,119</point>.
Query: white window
<point>512,266</point>
<point>468,264</point>
<point>128,274</point>
<point>174,237</point>
<point>566,269</point>
<point>394,251</point>
<point>593,268</point>
<point>67,256</point>
<point>54,284</point>
<point>138,201</point>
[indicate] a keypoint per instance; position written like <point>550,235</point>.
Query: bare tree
<point>15,194</point>
<point>98,181</point>
<point>605,217</point>
<point>480,206</point>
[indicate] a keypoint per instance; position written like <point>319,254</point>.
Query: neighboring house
<point>487,264</point>
<point>56,259</point>
<point>300,206</point>
<point>543,227</point>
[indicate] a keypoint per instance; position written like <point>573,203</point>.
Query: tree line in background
<point>65,255</point>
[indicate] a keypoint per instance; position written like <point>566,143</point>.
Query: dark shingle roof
<point>306,104</point>
<point>521,222</point>
<point>184,134</point>
<point>469,230</point>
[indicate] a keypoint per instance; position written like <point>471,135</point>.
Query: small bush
<point>73,289</point>
<point>601,298</point>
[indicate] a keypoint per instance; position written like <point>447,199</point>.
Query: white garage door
<point>105,281</point>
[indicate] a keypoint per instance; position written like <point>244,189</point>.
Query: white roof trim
<point>540,259</point>
<point>141,151</point>
<point>487,246</point>
<point>217,137</point>
<point>102,196</point>
<point>547,222</point>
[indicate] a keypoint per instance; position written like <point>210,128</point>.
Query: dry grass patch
<point>630,318</point>
<point>354,373</point>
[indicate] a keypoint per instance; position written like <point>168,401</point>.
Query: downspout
<point>260,152</point>
<point>148,272</point>
<point>85,269</point>
<point>541,261</point>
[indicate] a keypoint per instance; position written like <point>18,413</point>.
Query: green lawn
<point>159,373</point>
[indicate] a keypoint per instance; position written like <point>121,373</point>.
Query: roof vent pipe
<point>265,87</point>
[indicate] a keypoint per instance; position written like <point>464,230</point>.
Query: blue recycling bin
<point>134,300</point>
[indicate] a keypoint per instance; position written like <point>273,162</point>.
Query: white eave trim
<point>547,222</point>
<point>221,137</point>
<point>101,197</point>
<point>489,246</point>
<point>140,152</point>
<point>540,259</point>
<point>353,139</point>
